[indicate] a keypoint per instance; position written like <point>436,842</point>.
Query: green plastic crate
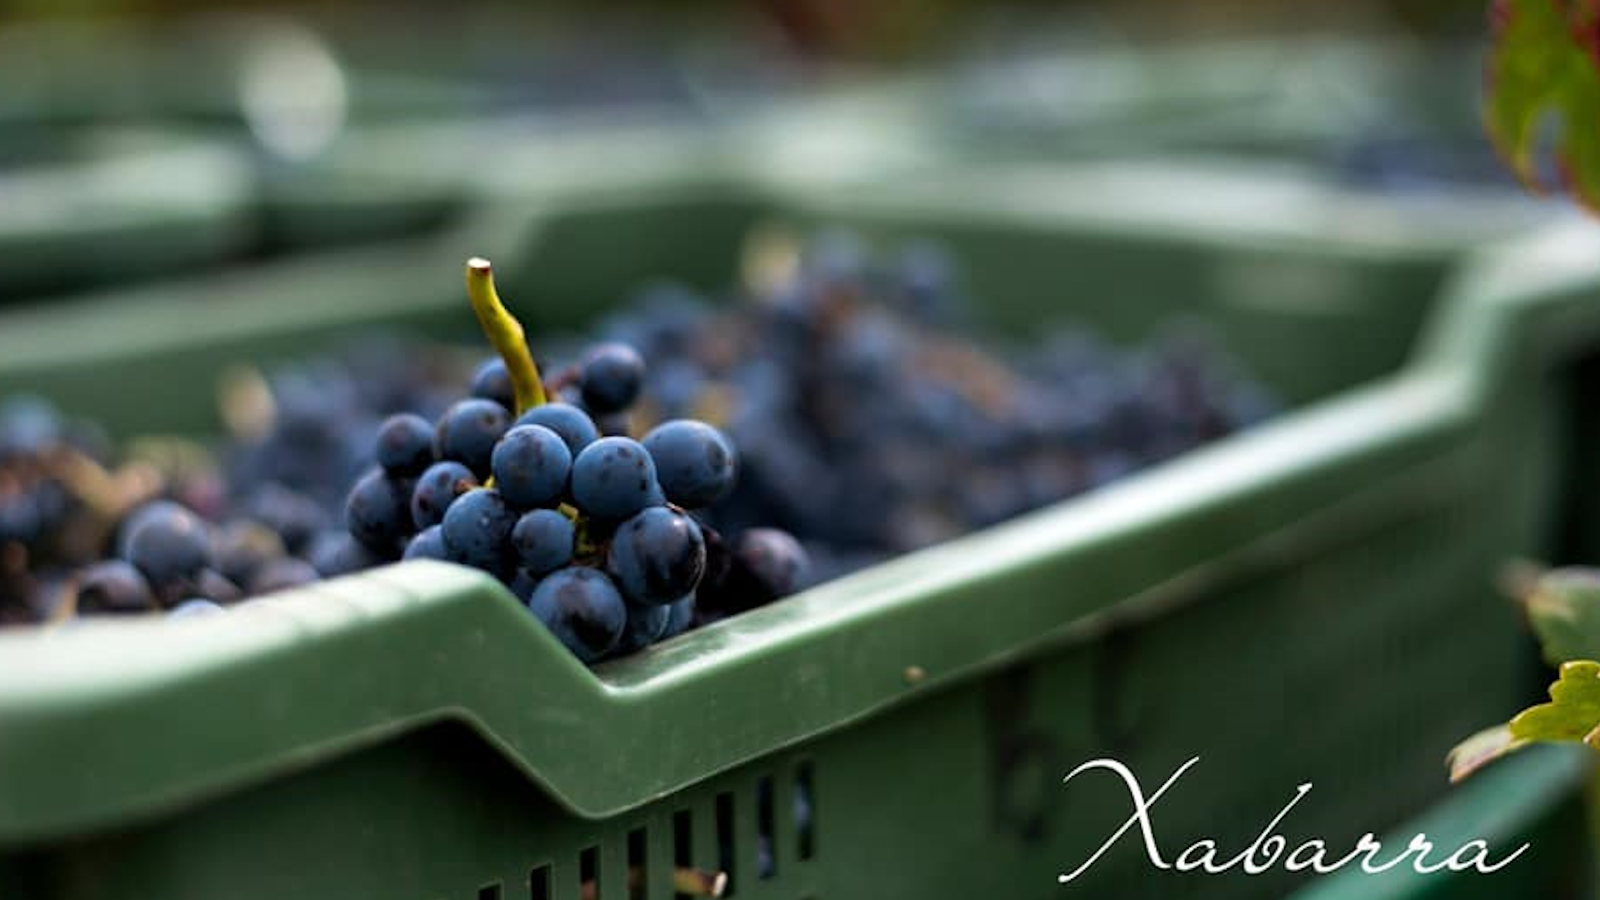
<point>103,205</point>
<point>1301,602</point>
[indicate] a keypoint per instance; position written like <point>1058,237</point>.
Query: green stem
<point>505,334</point>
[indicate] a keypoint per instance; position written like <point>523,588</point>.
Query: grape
<point>492,381</point>
<point>617,424</point>
<point>20,519</point>
<point>774,558</point>
<point>281,574</point>
<point>145,512</point>
<point>377,513</point>
<point>477,530</point>
<point>241,547</point>
<point>719,557</point>
<point>680,616</point>
<point>467,433</point>
<point>29,425</point>
<point>645,625</point>
<point>405,445</point>
<point>766,564</point>
<point>437,489</point>
<point>114,586</point>
<point>337,553</point>
<point>582,609</point>
<point>194,607</point>
<point>169,545</point>
<point>572,423</point>
<point>694,462</point>
<point>657,556</point>
<point>543,540</point>
<point>614,478</point>
<point>215,586</point>
<point>609,377</point>
<point>428,544</point>
<point>522,586</point>
<point>530,466</point>
<point>294,516</point>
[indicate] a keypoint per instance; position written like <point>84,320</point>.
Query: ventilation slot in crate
<point>752,835</point>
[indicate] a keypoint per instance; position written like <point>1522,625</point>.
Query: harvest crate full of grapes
<point>716,587</point>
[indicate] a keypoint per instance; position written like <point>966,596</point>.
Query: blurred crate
<point>1303,601</point>
<point>90,207</point>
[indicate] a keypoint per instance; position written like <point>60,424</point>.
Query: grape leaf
<point>1564,610</point>
<point>1545,64</point>
<point>1572,715</point>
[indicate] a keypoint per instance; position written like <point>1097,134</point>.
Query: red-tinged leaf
<point>1481,749</point>
<point>1545,66</point>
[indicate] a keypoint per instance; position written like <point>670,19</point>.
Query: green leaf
<point>1545,64</point>
<point>1573,713</point>
<point>1564,610</point>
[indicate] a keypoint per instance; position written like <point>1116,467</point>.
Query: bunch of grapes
<point>594,530</point>
<point>847,380</point>
<point>64,502</point>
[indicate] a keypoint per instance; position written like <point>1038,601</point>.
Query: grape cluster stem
<point>505,334</point>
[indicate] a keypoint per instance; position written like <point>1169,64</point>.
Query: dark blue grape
<point>213,585</point>
<point>609,377</point>
<point>296,517</point>
<point>572,423</point>
<point>169,545</point>
<point>20,519</point>
<point>694,462</point>
<point>240,547</point>
<point>522,586</point>
<point>336,553</point>
<point>766,564</point>
<point>467,433</point>
<point>771,559</point>
<point>531,464</point>
<point>617,424</point>
<point>477,530</point>
<point>146,512</point>
<point>114,586</point>
<point>582,609</point>
<point>680,617</point>
<point>281,574</point>
<point>543,540</point>
<point>492,381</point>
<point>644,627</point>
<point>614,478</point>
<point>378,513</point>
<point>405,445</point>
<point>657,556</point>
<point>195,607</point>
<point>436,489</point>
<point>29,425</point>
<point>427,544</point>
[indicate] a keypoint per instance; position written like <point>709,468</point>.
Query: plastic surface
<point>110,205</point>
<point>1297,603</point>
<point>1536,799</point>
